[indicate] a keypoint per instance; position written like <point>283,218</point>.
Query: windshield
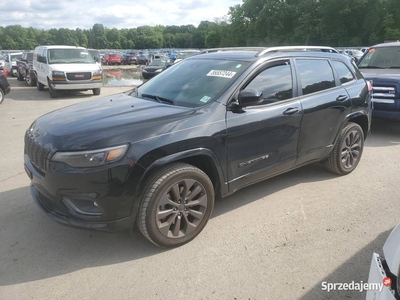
<point>158,62</point>
<point>193,82</point>
<point>66,56</point>
<point>15,57</point>
<point>381,58</point>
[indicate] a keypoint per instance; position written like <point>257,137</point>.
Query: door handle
<point>342,98</point>
<point>291,111</point>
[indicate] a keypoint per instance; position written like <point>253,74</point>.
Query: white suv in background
<point>11,62</point>
<point>66,68</point>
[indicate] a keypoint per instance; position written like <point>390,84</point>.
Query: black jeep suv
<point>381,65</point>
<point>160,155</point>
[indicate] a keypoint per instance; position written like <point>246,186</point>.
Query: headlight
<point>97,72</point>
<point>58,76</point>
<point>84,159</point>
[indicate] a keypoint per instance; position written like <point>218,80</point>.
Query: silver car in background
<point>386,270</point>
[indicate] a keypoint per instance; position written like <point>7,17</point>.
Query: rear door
<point>325,103</point>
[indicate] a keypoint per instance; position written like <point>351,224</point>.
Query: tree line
<point>335,23</point>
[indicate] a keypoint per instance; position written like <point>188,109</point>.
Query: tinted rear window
<point>315,75</point>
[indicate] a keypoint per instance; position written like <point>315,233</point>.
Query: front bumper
<point>45,204</point>
<point>54,190</point>
<point>77,86</point>
<point>377,273</point>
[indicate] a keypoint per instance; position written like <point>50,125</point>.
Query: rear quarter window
<point>344,73</point>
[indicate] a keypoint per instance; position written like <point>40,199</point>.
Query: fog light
<point>83,207</point>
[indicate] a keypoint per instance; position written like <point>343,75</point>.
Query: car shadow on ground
<point>33,247</point>
<point>354,269</point>
<point>383,133</point>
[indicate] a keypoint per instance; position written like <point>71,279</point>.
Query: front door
<point>262,140</point>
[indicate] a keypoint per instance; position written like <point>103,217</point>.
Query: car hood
<point>153,68</point>
<point>113,119</point>
<point>76,67</point>
<point>391,250</point>
<point>369,74</point>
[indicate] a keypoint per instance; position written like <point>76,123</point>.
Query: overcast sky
<point>83,14</point>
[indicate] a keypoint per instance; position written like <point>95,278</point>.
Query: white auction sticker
<point>221,73</point>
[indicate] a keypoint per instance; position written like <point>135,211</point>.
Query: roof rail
<point>258,49</point>
<point>296,48</point>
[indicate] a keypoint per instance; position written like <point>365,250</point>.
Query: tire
<point>19,76</point>
<point>53,92</point>
<point>347,151</point>
<point>29,80</point>
<point>96,91</point>
<point>39,86</point>
<point>183,218</point>
<point>2,96</point>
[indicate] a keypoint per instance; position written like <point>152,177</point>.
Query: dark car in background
<point>25,68</point>
<point>154,68</point>
<point>5,87</point>
<point>129,59</point>
<point>143,59</point>
<point>381,65</point>
<point>158,156</point>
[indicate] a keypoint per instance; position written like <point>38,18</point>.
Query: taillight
<point>369,84</point>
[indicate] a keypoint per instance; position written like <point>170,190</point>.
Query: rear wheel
<point>176,205</point>
<point>29,80</point>
<point>96,91</point>
<point>347,151</point>
<point>19,75</point>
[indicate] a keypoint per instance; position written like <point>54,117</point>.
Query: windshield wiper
<point>394,67</point>
<point>158,98</point>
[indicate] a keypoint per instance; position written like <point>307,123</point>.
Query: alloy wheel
<point>351,149</point>
<point>181,208</point>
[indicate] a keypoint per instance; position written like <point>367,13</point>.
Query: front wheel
<point>53,92</point>
<point>2,95</point>
<point>347,151</point>
<point>96,91</point>
<point>39,86</point>
<point>176,205</point>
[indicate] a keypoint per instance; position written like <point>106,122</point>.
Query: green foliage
<point>251,23</point>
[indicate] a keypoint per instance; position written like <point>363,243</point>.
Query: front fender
<point>179,156</point>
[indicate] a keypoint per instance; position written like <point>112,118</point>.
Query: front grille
<point>79,76</point>
<point>384,92</point>
<point>36,153</point>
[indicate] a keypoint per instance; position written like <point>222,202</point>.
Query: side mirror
<point>249,98</point>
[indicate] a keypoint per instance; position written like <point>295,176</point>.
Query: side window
<point>315,75</point>
<point>343,71</point>
<point>275,82</point>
